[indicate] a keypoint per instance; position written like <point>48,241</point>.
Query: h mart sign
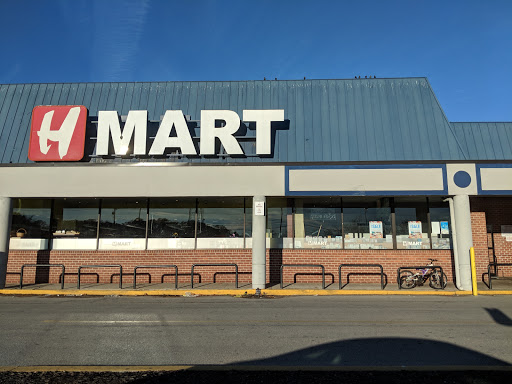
<point>63,130</point>
<point>62,124</point>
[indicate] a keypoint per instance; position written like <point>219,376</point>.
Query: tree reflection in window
<point>31,218</point>
<point>172,218</point>
<point>367,223</point>
<point>123,218</point>
<point>75,217</point>
<point>220,217</point>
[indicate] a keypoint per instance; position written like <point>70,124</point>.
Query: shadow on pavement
<point>499,317</point>
<point>369,360</point>
<point>382,352</point>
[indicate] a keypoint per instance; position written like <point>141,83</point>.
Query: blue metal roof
<point>329,120</point>
<point>485,141</point>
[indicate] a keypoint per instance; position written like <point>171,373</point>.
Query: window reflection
<point>279,223</point>
<point>367,223</point>
<point>440,224</point>
<point>75,218</point>
<point>31,219</point>
<point>172,218</point>
<point>411,216</point>
<point>220,223</point>
<point>123,218</point>
<point>220,217</point>
<point>323,223</point>
<point>318,223</point>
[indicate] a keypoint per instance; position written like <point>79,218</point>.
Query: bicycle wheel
<point>437,281</point>
<point>406,280</point>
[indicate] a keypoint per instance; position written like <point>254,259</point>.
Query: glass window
<point>75,218</point>
<point>172,223</point>
<point>172,218</point>
<point>318,223</point>
<point>440,223</point>
<point>248,222</point>
<point>31,219</point>
<point>220,223</point>
<point>367,223</point>
<point>248,217</point>
<point>75,224</point>
<point>279,223</point>
<point>123,218</point>
<point>411,217</point>
<point>30,225</point>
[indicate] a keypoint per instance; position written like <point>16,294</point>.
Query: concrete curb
<point>238,292</point>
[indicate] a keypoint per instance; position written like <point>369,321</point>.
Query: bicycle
<point>409,280</point>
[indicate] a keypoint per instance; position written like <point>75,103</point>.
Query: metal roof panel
<point>329,120</point>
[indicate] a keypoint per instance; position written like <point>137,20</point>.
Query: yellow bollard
<point>473,270</point>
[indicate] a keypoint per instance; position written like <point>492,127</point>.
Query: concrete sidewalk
<point>500,287</point>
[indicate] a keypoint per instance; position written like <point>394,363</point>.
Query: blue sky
<point>463,47</point>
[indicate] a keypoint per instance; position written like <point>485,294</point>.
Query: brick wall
<point>331,259</point>
<point>495,212</point>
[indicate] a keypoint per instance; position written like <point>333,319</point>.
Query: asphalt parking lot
<point>349,338</point>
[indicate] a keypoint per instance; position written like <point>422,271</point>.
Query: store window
<point>171,223</point>
<point>318,223</point>
<point>30,226</point>
<point>411,218</point>
<point>220,223</point>
<point>279,223</point>
<point>123,224</point>
<point>440,223</point>
<point>367,223</point>
<point>248,222</point>
<point>75,224</point>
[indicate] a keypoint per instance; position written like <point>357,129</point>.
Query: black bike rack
<point>42,265</point>
<point>305,266</point>
<point>433,267</point>
<point>103,266</point>
<point>363,266</point>
<point>213,265</point>
<point>495,265</point>
<point>155,266</point>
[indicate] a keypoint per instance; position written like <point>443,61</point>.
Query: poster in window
<point>376,231</point>
<point>444,228</point>
<point>415,229</point>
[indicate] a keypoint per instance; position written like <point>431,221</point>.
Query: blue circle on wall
<point>462,179</point>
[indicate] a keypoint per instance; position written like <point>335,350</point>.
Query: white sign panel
<point>436,227</point>
<point>415,229</point>
<point>259,208</point>
<point>376,231</point>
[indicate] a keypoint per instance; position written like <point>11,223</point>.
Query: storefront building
<point>257,173</point>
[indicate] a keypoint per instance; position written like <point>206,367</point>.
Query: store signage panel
<point>136,127</point>
<point>57,133</point>
<point>366,180</point>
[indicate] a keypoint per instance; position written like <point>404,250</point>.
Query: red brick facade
<point>488,215</point>
<point>495,211</point>
<point>330,259</point>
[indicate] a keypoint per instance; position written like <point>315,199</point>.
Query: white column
<point>5,230</point>
<point>462,214</point>
<point>259,225</point>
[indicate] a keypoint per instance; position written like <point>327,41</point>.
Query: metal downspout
<point>454,241</point>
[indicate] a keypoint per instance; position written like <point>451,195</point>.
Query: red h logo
<point>57,133</point>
